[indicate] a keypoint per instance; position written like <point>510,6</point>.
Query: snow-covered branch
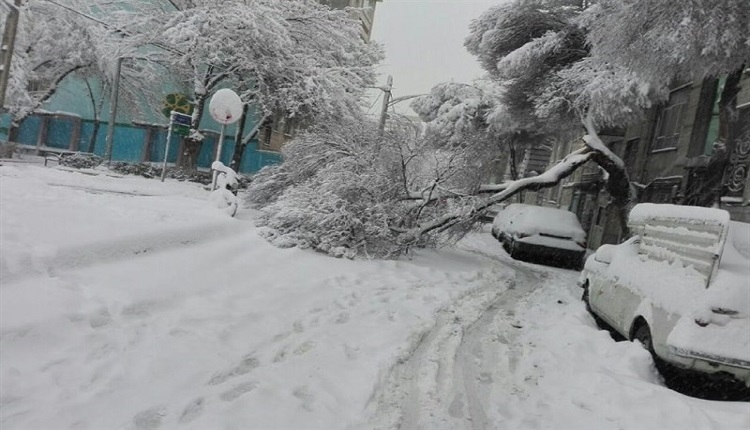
<point>551,177</point>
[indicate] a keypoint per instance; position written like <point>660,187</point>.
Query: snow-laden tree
<point>670,41</point>
<point>345,189</point>
<point>336,192</point>
<point>51,44</point>
<point>454,110</point>
<point>54,43</point>
<point>445,174</point>
<point>296,57</point>
<point>604,65</point>
<point>527,47</point>
<point>463,115</point>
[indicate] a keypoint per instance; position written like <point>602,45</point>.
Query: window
<point>288,126</point>
<point>266,140</point>
<point>39,85</point>
<point>670,120</point>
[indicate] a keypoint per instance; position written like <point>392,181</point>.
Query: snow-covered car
<point>552,235</point>
<point>680,286</point>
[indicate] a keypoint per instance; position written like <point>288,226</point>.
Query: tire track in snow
<point>446,378</point>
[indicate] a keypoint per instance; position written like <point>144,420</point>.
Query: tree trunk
<point>618,183</point>
<point>619,188</point>
<point>92,140</point>
<point>13,131</point>
<point>191,144</point>
<point>239,146</point>
<point>512,158</point>
<point>191,149</point>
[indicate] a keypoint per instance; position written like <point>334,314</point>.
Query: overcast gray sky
<point>423,42</point>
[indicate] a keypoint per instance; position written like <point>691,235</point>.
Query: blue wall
<point>72,105</point>
<point>133,143</point>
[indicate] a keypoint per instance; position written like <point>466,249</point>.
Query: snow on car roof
<point>528,219</point>
<point>731,287</point>
<point>644,211</point>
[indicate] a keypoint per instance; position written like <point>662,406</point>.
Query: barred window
<point>670,120</point>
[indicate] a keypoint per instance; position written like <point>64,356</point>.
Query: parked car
<point>680,286</point>
<point>549,235</point>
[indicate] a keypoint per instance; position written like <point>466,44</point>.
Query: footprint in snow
<point>100,318</point>
<point>342,318</point>
<point>150,418</point>
<point>192,410</point>
<point>304,395</point>
<point>280,355</point>
<point>298,326</point>
<point>351,352</point>
<point>237,391</point>
<point>245,366</point>
<point>302,349</point>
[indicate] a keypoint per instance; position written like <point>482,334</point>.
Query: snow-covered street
<point>127,303</point>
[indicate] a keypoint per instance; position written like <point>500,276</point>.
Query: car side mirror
<point>604,254</point>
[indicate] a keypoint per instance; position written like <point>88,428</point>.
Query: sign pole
<point>166,147</point>
<point>218,155</point>
<point>225,108</point>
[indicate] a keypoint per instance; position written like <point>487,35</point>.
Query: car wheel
<point>513,252</point>
<point>671,374</point>
<point>585,298</point>
<point>643,335</point>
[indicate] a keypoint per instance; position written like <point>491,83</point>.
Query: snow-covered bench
<point>692,236</point>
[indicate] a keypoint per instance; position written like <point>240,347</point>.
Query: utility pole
<point>386,102</point>
<point>7,46</point>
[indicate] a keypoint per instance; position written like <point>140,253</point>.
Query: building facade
<point>671,157</point>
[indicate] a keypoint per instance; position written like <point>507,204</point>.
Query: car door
<point>601,290</point>
<point>619,299</point>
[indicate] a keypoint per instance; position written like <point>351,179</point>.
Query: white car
<point>681,286</point>
<point>553,235</point>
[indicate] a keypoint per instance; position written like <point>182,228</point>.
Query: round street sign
<point>225,106</point>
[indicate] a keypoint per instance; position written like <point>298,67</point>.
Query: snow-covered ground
<point>127,303</point>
